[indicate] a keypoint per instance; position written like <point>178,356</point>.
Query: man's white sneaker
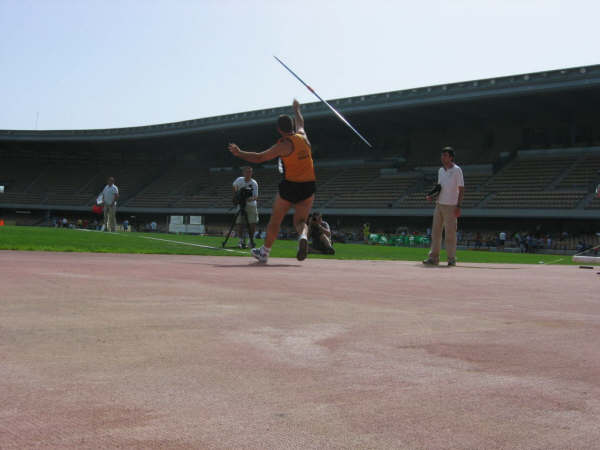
<point>260,254</point>
<point>302,248</point>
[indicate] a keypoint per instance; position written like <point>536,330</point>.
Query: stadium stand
<point>171,187</point>
<point>526,183</point>
<point>18,177</point>
<point>583,174</point>
<point>536,200</point>
<point>382,192</point>
<point>594,203</point>
<point>60,184</point>
<point>347,181</point>
<point>214,193</point>
<point>529,174</point>
<point>535,134</point>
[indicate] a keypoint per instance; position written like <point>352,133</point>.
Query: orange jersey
<point>298,166</point>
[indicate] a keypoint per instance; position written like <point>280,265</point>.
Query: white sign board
<point>176,228</point>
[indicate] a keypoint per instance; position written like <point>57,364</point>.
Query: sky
<point>84,64</point>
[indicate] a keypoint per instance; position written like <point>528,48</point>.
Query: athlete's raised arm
<point>298,118</point>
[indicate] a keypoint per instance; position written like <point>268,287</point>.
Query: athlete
<point>297,188</point>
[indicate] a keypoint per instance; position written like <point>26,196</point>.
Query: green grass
<point>65,240</point>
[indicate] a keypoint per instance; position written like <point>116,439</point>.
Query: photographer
<point>319,233</point>
<point>245,194</point>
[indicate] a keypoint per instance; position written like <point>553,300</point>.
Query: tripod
<point>244,214</point>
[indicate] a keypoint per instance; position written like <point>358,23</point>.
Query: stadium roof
<point>531,83</point>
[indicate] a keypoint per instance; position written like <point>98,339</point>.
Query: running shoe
<point>302,249</point>
<point>260,254</point>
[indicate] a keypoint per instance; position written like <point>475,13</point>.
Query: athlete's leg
<point>280,209</point>
<point>302,210</point>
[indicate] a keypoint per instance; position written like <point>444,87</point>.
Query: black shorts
<point>296,192</point>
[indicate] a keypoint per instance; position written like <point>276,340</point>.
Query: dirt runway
<point>156,351</point>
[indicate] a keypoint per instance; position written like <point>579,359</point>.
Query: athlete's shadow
<point>431,267</point>
<point>255,264</point>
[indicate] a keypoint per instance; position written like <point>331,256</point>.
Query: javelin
<point>342,118</point>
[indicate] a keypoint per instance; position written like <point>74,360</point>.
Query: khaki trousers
<point>110,219</point>
<point>443,219</point>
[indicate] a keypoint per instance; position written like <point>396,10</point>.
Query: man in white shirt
<point>244,182</point>
<point>110,195</point>
<point>451,189</point>
<point>501,240</point>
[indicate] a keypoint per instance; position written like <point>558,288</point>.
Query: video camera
<point>242,195</point>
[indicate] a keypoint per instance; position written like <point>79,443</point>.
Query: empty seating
<point>347,181</point>
<point>532,182</point>
<point>529,174</point>
<point>536,200</point>
<point>166,190</point>
<point>383,192</point>
<point>594,204</point>
<point>583,174</point>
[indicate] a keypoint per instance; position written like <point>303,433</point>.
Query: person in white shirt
<point>501,240</point>
<point>451,189</point>
<point>110,195</point>
<point>246,181</point>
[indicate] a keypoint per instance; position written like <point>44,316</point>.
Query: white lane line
<point>196,245</point>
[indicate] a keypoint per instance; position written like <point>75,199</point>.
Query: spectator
<point>501,240</point>
<point>478,240</point>
<point>319,233</point>
<point>522,244</point>
<point>339,236</point>
<point>109,197</point>
<point>450,187</point>
<point>126,225</point>
<point>246,182</point>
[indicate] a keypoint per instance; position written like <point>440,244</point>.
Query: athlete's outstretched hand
<point>234,149</point>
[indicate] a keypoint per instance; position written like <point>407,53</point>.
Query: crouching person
<point>319,233</point>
